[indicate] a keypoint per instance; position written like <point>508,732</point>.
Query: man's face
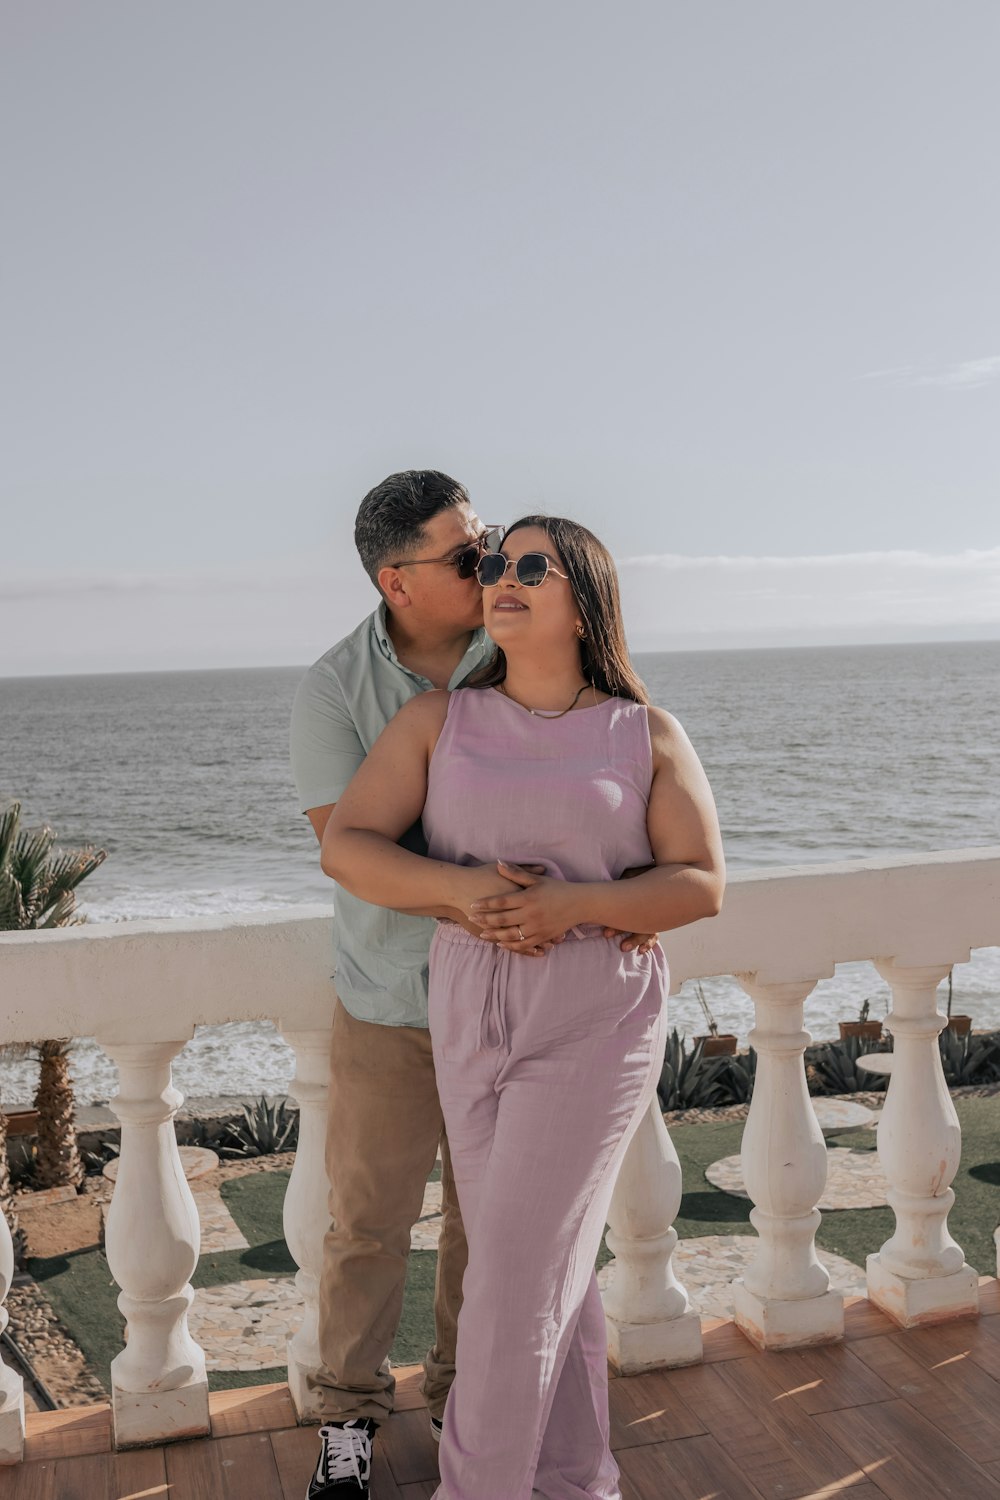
<point>435,594</point>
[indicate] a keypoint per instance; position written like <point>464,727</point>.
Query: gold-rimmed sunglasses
<point>465,559</point>
<point>530,570</point>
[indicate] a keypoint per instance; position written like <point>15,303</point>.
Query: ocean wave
<point>205,901</point>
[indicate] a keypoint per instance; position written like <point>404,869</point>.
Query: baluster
<point>784,1298</point>
<point>648,1313</point>
<point>920,1274</point>
<point>159,1385</point>
<point>11,1385</point>
<point>306,1210</point>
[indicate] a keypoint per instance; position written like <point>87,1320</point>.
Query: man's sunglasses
<point>530,570</point>
<point>464,562</point>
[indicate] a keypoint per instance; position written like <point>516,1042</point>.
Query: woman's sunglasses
<point>530,570</point>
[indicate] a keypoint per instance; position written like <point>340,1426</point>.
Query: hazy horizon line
<point>690,648</point>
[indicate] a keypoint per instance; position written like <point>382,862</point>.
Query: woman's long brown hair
<point>604,657</point>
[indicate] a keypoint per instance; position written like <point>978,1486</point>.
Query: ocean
<point>814,754</point>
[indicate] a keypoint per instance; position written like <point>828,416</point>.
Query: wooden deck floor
<point>914,1416</point>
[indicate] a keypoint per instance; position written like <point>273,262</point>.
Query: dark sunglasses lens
<point>491,569</point>
<point>531,569</point>
<point>465,561</point>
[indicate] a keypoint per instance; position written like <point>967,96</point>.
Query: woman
<point>554,760</point>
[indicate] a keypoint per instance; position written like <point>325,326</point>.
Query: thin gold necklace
<point>544,713</point>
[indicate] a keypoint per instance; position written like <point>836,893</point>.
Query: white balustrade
<point>306,1211</point>
<point>159,1385</point>
<point>140,986</point>
<point>784,1299</point>
<point>648,1313</point>
<point>11,1385</point>
<point>920,1274</point>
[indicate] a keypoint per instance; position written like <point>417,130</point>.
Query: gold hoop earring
<point>581,632</point>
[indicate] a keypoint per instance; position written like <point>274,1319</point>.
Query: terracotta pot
<point>870,1030</point>
<point>723,1045</point>
<point>960,1025</point>
<point>22,1121</point>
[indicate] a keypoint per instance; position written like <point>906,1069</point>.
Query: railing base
<point>634,1348</point>
<point>12,1429</point>
<point>140,1418</point>
<point>788,1323</point>
<point>306,1398</point>
<point>935,1299</point>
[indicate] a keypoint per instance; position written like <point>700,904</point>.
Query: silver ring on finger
<point>520,934</point>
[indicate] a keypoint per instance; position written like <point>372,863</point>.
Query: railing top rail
<point>159,979</point>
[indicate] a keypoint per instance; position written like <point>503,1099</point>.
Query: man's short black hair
<point>391,518</point>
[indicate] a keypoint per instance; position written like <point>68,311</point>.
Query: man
<point>419,541</point>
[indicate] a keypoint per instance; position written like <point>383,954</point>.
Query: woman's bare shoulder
<point>666,734</point>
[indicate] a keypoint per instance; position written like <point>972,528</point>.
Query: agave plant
<point>966,1059</point>
<point>689,1080</point>
<point>266,1128</point>
<point>38,889</point>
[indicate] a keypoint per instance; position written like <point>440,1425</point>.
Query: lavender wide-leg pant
<point>545,1066</point>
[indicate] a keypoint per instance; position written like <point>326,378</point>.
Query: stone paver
<point>245,1325</point>
<point>196,1161</point>
<point>707,1267</point>
<point>854,1179</point>
<point>840,1114</point>
<point>219,1230</point>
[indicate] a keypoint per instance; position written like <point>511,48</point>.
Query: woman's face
<point>541,618</point>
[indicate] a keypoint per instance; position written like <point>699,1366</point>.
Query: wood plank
<point>409,1449</point>
<point>969,1341</point>
<point>762,1447</point>
<point>863,1320</point>
<point>989,1296</point>
<point>907,1457</point>
<point>763,1387</point>
<point>421,1491</point>
<point>967,1414</point>
<point>721,1339</point>
<point>296,1454</point>
<point>251,1408</point>
<point>827,1378</point>
<point>25,1481</point>
<point>113,1476</point>
<point>75,1430</point>
<point>650,1409</point>
<point>248,1467</point>
<point>691,1468</point>
<point>224,1469</point>
<point>409,1379</point>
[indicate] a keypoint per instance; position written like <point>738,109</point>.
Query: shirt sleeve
<point>326,748</point>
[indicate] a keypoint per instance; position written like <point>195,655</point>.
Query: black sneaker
<point>345,1461</point>
<point>437,1427</point>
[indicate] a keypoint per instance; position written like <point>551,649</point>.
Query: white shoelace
<point>346,1454</point>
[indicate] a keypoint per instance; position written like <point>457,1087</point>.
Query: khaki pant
<point>384,1129</point>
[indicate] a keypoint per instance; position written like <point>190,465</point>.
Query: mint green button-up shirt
<point>341,707</point>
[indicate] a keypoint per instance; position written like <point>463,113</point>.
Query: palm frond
<point>10,822</point>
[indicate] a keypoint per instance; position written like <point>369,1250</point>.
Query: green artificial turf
<point>81,1289</point>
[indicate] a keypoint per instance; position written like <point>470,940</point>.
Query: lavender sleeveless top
<point>568,793</point>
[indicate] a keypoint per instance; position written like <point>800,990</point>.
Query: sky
<point>717,280</point>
